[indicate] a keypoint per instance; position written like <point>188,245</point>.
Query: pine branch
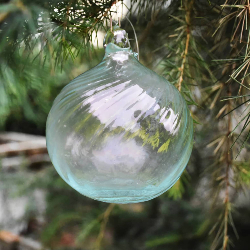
<point>106,215</point>
<point>188,8</point>
<point>239,13</point>
<point>228,157</point>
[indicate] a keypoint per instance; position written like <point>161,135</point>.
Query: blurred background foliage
<point>200,46</point>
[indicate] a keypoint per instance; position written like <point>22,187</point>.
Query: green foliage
<point>39,42</point>
<point>179,188</point>
<point>174,238</point>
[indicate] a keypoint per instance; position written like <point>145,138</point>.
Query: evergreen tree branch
<point>227,181</point>
<point>106,215</point>
<point>188,8</point>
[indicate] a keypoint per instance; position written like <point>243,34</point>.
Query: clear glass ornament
<point>120,133</point>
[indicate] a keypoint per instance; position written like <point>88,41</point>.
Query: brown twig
<point>103,226</point>
<point>188,8</point>
<point>228,157</point>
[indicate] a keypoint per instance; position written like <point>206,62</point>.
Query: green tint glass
<point>120,133</point>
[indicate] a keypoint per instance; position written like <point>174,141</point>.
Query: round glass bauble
<point>120,133</point>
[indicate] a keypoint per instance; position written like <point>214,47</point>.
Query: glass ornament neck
<point>112,48</point>
<point>116,40</point>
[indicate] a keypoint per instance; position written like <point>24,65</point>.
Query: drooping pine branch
<point>105,219</point>
<point>188,10</point>
<point>226,173</point>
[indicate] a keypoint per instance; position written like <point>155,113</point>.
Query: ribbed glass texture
<point>120,133</point>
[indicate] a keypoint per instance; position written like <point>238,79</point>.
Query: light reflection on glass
<point>117,105</point>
